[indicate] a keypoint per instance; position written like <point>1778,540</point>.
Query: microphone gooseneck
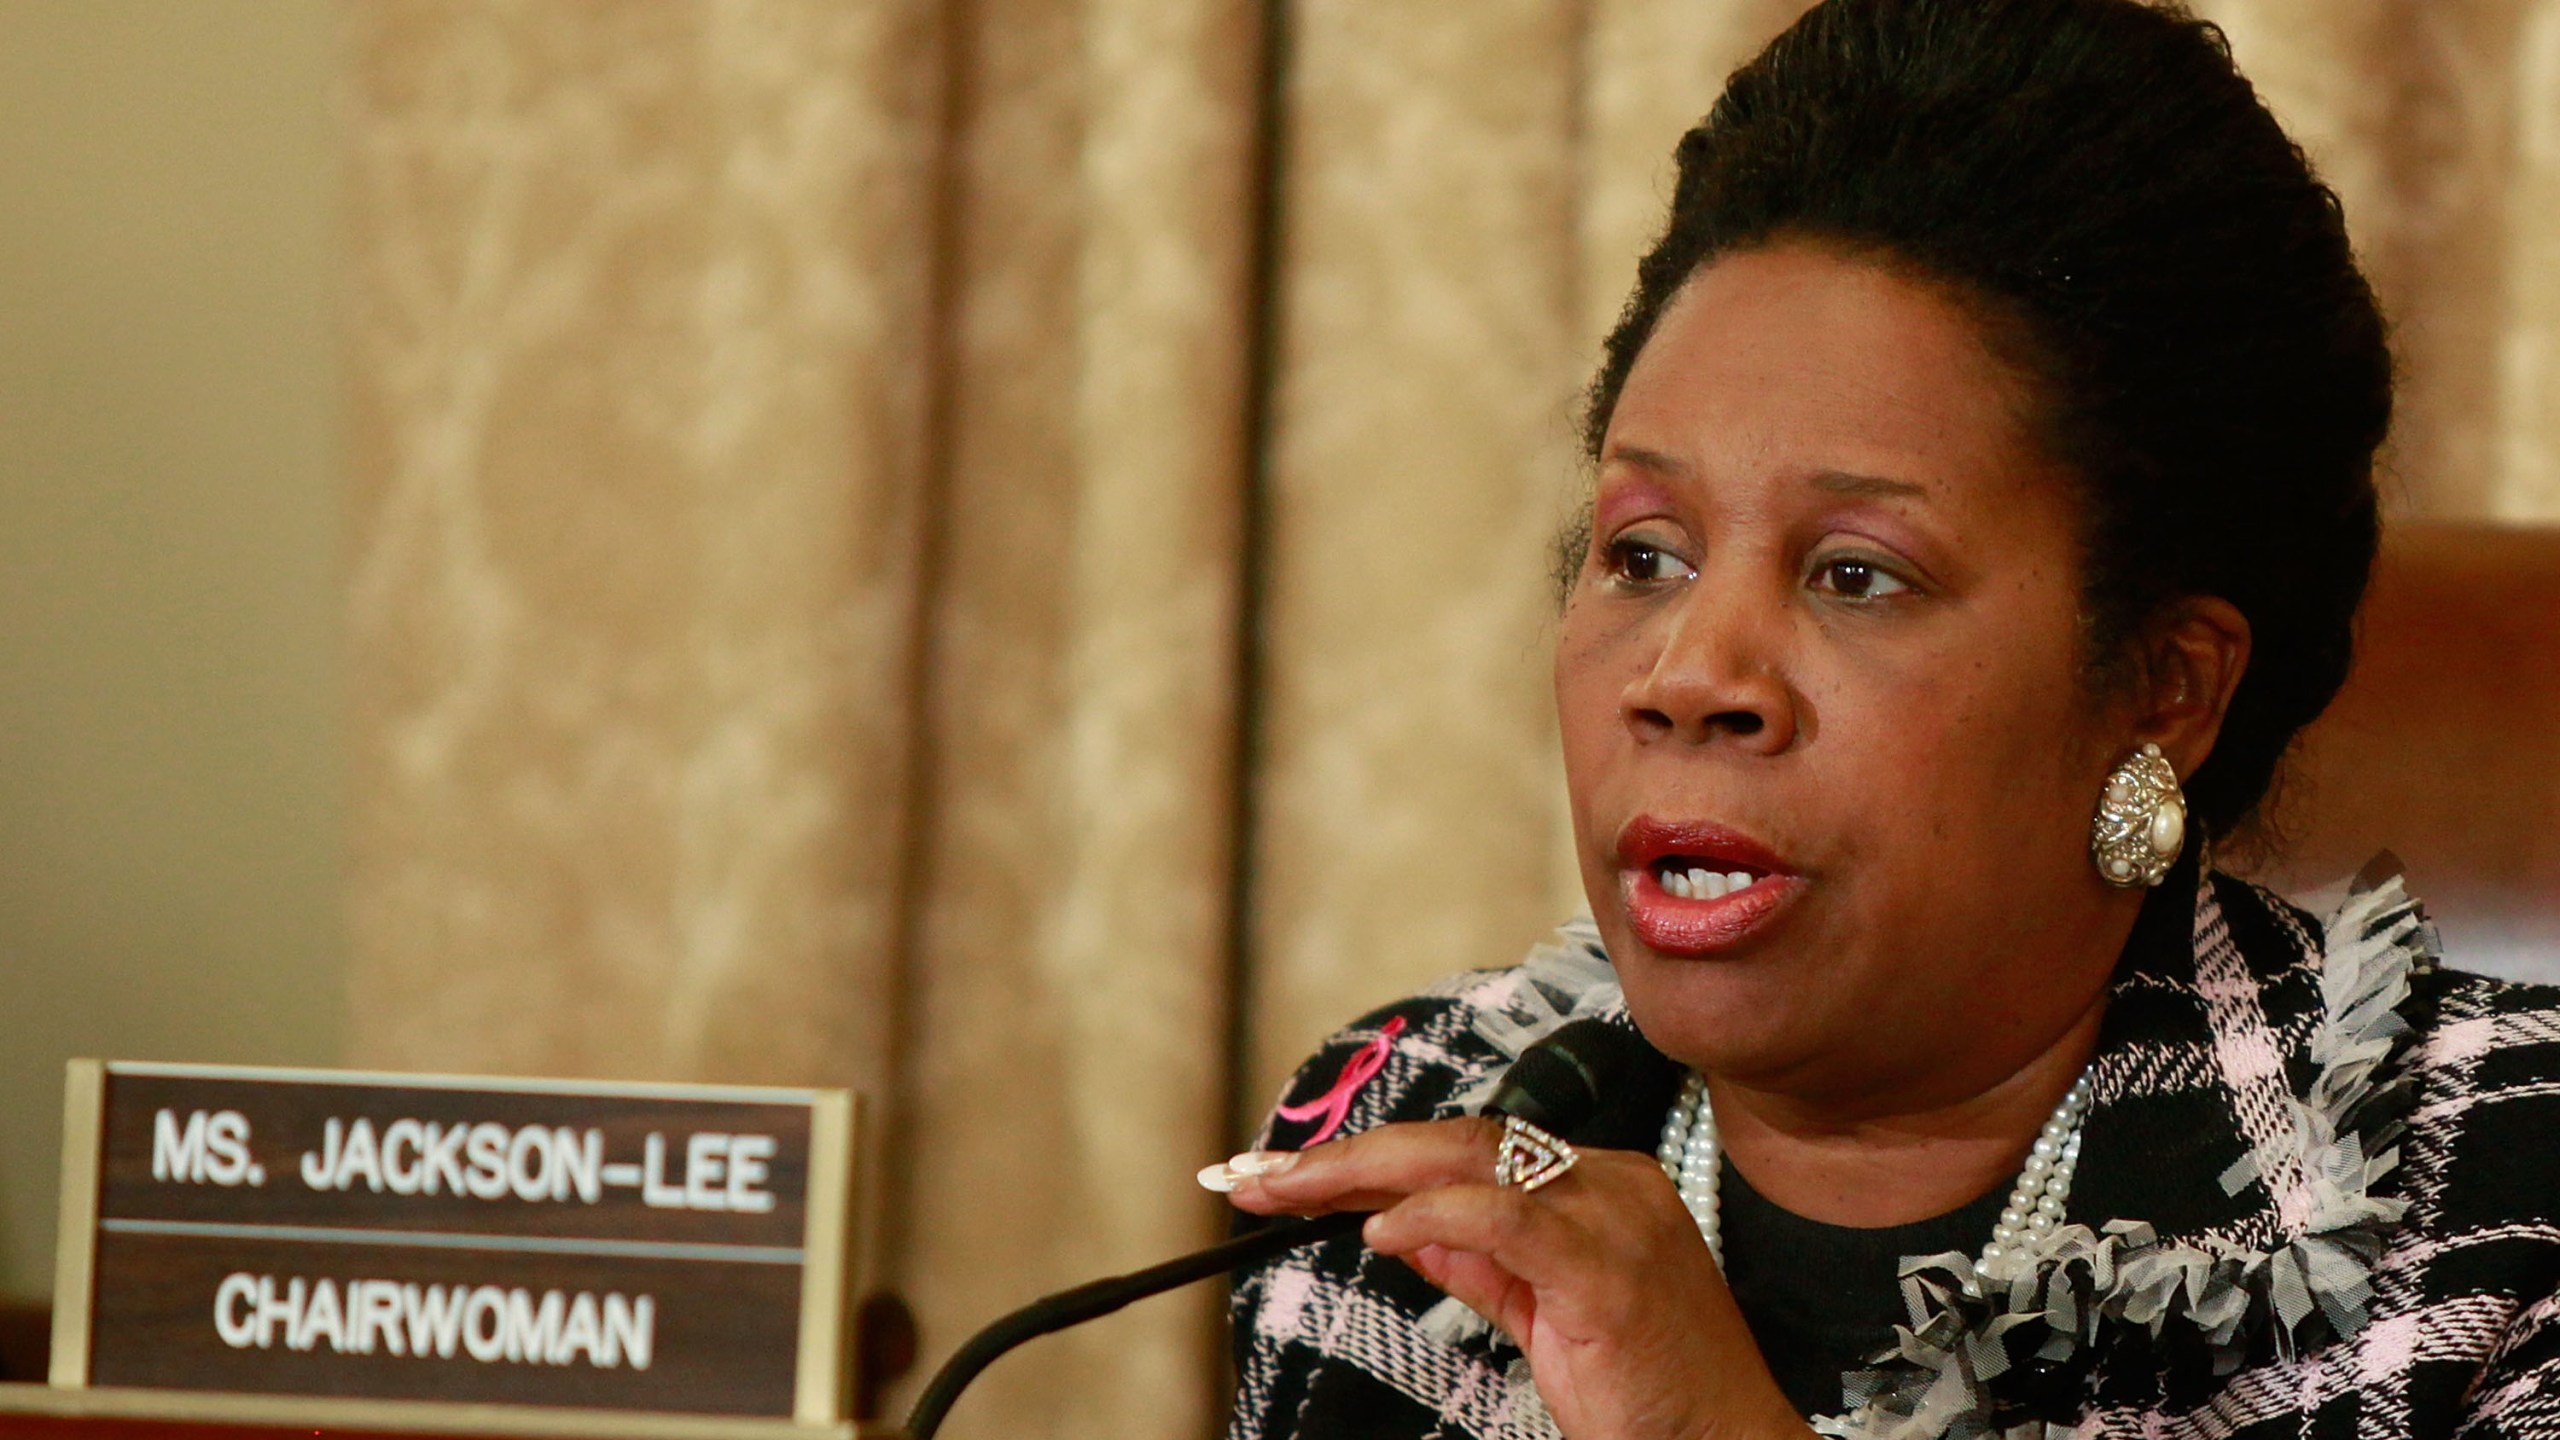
<point>1097,1298</point>
<point>1556,1085</point>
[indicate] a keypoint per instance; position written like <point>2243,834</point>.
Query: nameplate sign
<point>677,1249</point>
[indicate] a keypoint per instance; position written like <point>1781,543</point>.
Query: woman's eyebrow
<point>1643,459</point>
<point>1841,482</point>
<point>1835,482</point>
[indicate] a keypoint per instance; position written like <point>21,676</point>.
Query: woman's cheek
<point>1597,658</point>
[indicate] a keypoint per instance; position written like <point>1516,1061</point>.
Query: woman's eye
<point>1854,579</point>
<point>1641,563</point>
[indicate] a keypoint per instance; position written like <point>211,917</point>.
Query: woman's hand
<point>1601,1277</point>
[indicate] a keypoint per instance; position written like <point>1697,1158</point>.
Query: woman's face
<point>1827,634</point>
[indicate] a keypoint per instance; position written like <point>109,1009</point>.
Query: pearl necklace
<point>1691,1156</point>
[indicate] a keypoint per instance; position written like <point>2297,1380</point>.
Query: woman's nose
<point>1716,679</point>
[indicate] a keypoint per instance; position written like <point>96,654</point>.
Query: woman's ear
<point>2193,656</point>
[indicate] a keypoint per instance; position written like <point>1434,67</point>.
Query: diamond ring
<point>1529,1157</point>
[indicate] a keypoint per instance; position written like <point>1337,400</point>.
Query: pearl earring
<point>2141,821</point>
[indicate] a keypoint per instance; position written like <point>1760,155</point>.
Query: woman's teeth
<point>1703,884</point>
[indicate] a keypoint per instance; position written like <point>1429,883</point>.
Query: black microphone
<point>1559,1083</point>
<point>1556,1085</point>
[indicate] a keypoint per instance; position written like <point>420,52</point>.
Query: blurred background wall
<point>172,692</point>
<point>993,552</point>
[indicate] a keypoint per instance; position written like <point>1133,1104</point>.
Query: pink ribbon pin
<point>1335,1104</point>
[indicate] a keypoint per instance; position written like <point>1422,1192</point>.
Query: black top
<point>1823,1300</point>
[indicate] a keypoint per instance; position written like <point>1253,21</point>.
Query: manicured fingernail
<point>1224,1178</point>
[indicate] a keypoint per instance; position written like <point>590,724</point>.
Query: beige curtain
<point>994,552</point>
<point>2439,122</point>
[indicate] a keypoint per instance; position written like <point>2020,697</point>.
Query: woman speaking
<point>1982,494</point>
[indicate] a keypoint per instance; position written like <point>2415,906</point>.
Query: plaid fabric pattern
<point>2205,1045</point>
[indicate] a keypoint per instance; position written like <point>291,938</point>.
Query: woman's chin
<point>1736,1014</point>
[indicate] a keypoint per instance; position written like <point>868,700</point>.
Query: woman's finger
<point>1479,1284</point>
<point>1613,1217</point>
<point>1520,1233</point>
<point>1368,1171</point>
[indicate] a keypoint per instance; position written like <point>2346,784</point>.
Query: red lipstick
<point>1673,880</point>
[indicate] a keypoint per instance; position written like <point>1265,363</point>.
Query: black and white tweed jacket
<point>2319,1195</point>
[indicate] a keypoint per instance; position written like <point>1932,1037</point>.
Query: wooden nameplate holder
<point>248,1253</point>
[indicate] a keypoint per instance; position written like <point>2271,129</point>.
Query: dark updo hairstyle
<point>2141,240</point>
